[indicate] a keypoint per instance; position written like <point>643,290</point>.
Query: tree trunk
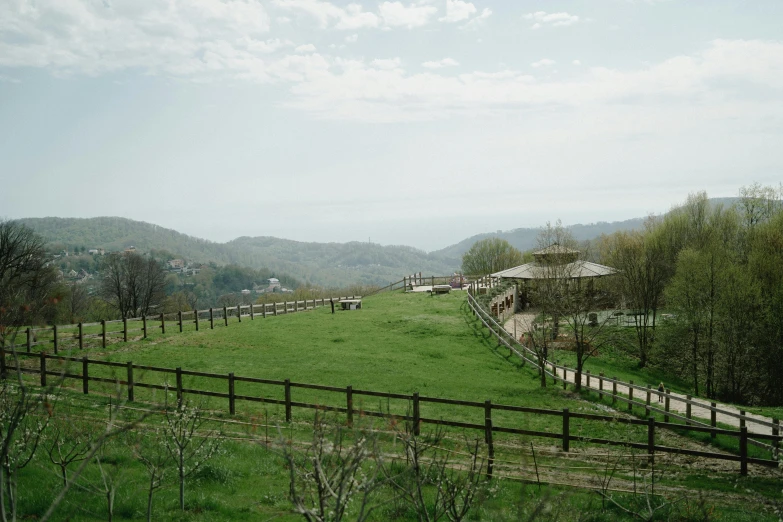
<point>149,498</point>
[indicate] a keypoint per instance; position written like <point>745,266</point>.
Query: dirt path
<point>699,410</point>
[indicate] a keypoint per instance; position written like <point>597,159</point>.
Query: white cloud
<point>388,93</point>
<point>306,48</point>
<point>477,21</point>
<point>396,14</point>
<point>351,38</point>
<point>386,63</point>
<point>352,17</point>
<point>544,19</point>
<point>544,62</point>
<point>439,64</point>
<point>458,10</point>
<point>576,62</point>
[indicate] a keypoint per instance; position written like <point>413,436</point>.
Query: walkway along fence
<point>285,398</point>
<point>107,332</point>
<point>602,384</point>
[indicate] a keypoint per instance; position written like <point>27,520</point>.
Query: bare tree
<point>27,282</point>
<point>331,474</point>
<point>133,284</point>
<point>68,441</point>
<point>156,459</point>
<point>189,440</point>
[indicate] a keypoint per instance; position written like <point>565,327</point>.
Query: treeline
<point>717,273</point>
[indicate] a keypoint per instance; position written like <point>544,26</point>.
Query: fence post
<point>416,414</point>
<point>614,390</point>
<point>239,313</point>
<point>743,451</point>
<point>125,329</point>
<point>129,365</point>
<point>666,407</point>
<point>263,311</point>
<point>29,339</point>
<point>195,316</point>
<point>647,403</point>
<point>713,418</point>
<point>488,437</point>
<point>742,418</point>
<point>285,307</point>
<point>54,329</point>
<point>688,410</point>
<point>776,443</point>
<point>179,386</point>
<point>85,377</point>
<point>274,309</point>
<point>81,336</point>
<point>162,323</point>
<point>349,404</point>
<point>288,400</point>
<point>630,395</point>
<point>144,325</point>
<point>565,376</point>
<point>179,320</point>
<point>554,373</point>
<point>600,385</point>
<point>253,312</point>
<point>211,318</point>
<point>588,378</point>
<point>651,440</point>
<point>225,315</point>
<point>231,399</point>
<point>2,363</point>
<point>43,368</point>
<point>566,430</point>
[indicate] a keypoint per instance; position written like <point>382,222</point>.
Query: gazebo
<point>556,262</point>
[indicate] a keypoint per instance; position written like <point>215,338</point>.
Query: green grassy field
<point>399,343</point>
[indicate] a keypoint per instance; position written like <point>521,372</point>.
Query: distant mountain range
<point>324,264</point>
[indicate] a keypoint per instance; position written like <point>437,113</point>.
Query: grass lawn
<point>399,343</point>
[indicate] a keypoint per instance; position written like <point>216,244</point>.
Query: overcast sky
<point>404,122</point>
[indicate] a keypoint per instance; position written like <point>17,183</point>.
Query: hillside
<point>325,264</point>
<point>525,238</point>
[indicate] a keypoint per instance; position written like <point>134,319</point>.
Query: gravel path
<point>699,410</point>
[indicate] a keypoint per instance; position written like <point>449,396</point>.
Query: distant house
<point>73,273</point>
<point>96,252</point>
<point>176,263</point>
<point>273,282</point>
<point>130,249</point>
<point>83,273</point>
<point>245,292</point>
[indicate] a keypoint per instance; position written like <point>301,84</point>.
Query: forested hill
<point>525,238</point>
<point>325,264</point>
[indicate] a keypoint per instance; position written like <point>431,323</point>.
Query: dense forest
<point>715,271</point>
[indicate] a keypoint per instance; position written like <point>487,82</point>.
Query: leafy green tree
<point>490,255</point>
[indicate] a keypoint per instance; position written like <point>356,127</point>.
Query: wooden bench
<point>440,289</point>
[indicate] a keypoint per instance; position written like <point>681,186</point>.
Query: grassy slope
<point>398,342</point>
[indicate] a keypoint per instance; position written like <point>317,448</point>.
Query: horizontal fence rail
<point>608,386</point>
<point>61,367</point>
<point>122,330</point>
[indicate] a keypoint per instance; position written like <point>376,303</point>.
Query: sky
<point>415,122</point>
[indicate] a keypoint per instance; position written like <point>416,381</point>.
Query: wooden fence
<point>37,364</point>
<point>108,332</point>
<point>645,393</point>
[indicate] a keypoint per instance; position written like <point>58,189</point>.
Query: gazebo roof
<point>555,249</point>
<point>575,270</point>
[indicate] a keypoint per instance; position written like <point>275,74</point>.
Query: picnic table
<point>350,304</point>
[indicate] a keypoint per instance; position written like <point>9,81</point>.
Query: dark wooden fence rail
<point>285,398</point>
<point>108,332</point>
<point>560,373</point>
